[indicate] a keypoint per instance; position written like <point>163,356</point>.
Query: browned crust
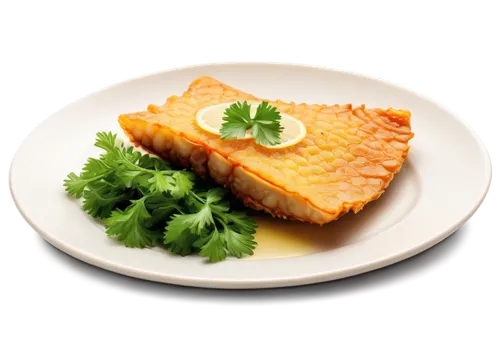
<point>200,164</point>
<point>188,152</point>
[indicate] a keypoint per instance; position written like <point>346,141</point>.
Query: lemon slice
<point>293,132</point>
<point>210,120</point>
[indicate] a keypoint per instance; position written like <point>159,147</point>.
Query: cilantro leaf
<point>210,214</point>
<point>106,141</point>
<point>154,163</point>
<point>101,198</point>
<point>238,243</point>
<point>159,182</point>
<point>161,208</point>
<point>242,221</point>
<point>214,247</point>
<point>134,178</point>
<point>75,185</point>
<point>92,171</point>
<point>196,223</point>
<point>214,198</point>
<point>141,198</point>
<point>183,244</point>
<point>264,127</point>
<point>179,235</point>
<point>142,171</point>
<point>95,168</point>
<point>182,184</point>
<point>237,120</point>
<point>131,226</point>
<point>178,226</point>
<point>128,157</point>
<point>215,195</point>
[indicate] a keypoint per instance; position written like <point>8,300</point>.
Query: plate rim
<point>268,282</point>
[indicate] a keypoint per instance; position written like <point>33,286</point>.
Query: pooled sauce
<point>279,238</point>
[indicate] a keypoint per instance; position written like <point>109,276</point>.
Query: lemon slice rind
<point>293,129</point>
<point>213,127</point>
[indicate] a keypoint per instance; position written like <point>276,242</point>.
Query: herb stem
<point>221,222</point>
<point>93,179</point>
<point>201,200</point>
<point>139,168</point>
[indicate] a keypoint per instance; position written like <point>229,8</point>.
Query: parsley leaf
<point>264,126</point>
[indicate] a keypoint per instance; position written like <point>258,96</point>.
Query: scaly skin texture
<point>347,159</point>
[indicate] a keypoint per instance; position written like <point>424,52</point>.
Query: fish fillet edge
<point>251,189</point>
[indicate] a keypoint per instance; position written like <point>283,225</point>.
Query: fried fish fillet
<point>347,159</point>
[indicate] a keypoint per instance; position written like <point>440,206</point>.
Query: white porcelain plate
<point>442,183</point>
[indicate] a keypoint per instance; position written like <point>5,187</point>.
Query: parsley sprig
<point>143,202</point>
<point>264,126</point>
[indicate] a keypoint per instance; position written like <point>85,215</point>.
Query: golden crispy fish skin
<point>347,159</point>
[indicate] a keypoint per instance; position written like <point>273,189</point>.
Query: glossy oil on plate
<point>442,183</point>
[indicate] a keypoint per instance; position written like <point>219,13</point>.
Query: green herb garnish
<point>144,202</point>
<point>264,126</point>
